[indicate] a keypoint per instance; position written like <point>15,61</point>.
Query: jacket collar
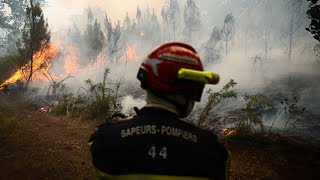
<point>154,111</point>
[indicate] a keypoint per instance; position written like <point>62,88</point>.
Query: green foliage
<point>113,35</point>
<point>93,36</point>
<point>215,98</point>
<point>228,31</point>
<point>192,18</point>
<point>35,33</point>
<point>15,20</point>
<point>75,35</point>
<point>257,101</point>
<point>251,118</point>
<point>91,40</point>
<point>9,65</point>
<point>11,23</point>
<point>103,98</point>
<point>211,49</point>
<point>97,101</point>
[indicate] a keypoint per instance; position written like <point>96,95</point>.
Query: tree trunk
<point>266,44</point>
<point>290,36</point>
<point>31,45</point>
<point>245,42</point>
<point>226,47</point>
<point>290,40</point>
<point>290,48</point>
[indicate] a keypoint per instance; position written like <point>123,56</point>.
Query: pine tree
<point>35,35</point>
<point>12,24</point>
<point>94,38</point>
<point>228,31</point>
<point>192,19</point>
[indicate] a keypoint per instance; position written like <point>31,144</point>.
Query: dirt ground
<point>36,145</point>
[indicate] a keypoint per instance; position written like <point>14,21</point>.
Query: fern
<point>255,101</point>
<point>251,118</point>
<point>215,98</point>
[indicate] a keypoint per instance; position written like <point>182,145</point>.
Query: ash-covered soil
<point>35,145</point>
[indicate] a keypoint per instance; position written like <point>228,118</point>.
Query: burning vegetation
<point>44,58</point>
<point>108,44</point>
<point>42,64</point>
<point>285,105</point>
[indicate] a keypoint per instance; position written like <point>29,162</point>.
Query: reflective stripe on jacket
<point>104,176</point>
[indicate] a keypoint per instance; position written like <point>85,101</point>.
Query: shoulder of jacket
<point>118,118</point>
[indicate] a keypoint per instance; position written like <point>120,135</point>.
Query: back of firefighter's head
<point>158,75</point>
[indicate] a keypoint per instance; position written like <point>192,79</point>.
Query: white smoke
<point>129,102</point>
<point>253,18</point>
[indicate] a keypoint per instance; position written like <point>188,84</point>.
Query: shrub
<point>103,99</point>
<point>98,100</point>
<point>251,116</point>
<point>215,98</point>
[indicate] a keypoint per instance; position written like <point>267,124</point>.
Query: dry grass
<point>43,146</point>
<point>6,123</point>
<point>272,156</point>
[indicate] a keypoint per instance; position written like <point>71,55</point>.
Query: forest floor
<point>36,145</point>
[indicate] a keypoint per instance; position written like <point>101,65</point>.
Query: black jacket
<point>157,142</point>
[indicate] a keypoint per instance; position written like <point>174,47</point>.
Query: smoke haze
<point>257,58</point>
<point>60,12</point>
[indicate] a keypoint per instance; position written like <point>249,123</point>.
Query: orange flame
<point>70,64</point>
<point>141,33</point>
<point>228,132</point>
<point>131,53</point>
<point>41,61</point>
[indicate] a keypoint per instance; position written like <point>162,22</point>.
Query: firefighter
<point>155,143</point>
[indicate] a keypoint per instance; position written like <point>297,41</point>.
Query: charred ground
<point>35,145</point>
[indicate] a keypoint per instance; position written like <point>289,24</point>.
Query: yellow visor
<point>205,77</point>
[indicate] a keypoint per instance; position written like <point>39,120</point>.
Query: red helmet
<point>159,71</point>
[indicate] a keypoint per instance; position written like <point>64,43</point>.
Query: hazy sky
<point>59,11</point>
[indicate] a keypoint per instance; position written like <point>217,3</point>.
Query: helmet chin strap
<point>182,108</point>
